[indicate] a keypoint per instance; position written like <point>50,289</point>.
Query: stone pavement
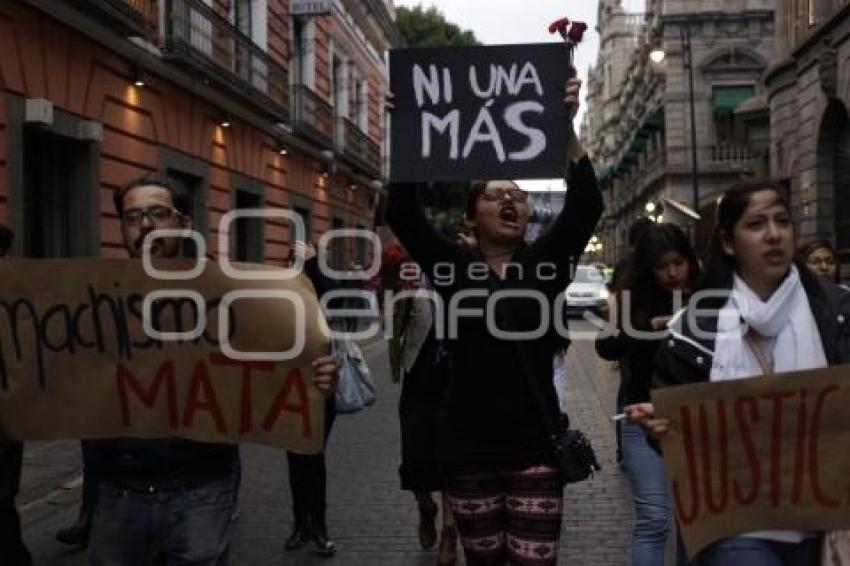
<point>373,522</point>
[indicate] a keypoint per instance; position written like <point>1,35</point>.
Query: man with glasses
<point>167,501</point>
<point>13,552</point>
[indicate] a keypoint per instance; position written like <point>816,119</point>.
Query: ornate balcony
<point>358,148</point>
<point>312,116</point>
<point>133,17</point>
<point>198,37</point>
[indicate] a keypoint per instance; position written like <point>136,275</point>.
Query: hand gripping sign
<point>758,454</point>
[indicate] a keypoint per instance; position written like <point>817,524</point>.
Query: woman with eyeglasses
<point>819,258</point>
<point>776,317</point>
<point>494,445</point>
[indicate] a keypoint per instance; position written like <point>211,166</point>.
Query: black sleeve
<point>407,219</point>
<point>669,370</point>
<point>320,282</point>
<point>566,239</point>
<point>613,348</point>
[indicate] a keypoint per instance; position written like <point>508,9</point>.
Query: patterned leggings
<point>510,517</point>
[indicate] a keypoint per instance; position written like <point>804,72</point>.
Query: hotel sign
<point>310,7</point>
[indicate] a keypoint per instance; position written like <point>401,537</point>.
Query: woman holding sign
<point>791,321</point>
<point>663,266</point>
<point>494,446</point>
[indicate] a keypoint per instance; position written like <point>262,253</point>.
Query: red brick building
<point>243,104</point>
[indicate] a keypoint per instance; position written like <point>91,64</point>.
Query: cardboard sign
<point>758,454</point>
<point>77,362</point>
<point>492,112</point>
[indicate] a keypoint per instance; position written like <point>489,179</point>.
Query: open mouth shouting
<point>508,214</point>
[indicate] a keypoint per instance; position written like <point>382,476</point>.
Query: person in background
<point>424,371</point>
<point>775,317</point>
<point>78,533</point>
<point>636,230</point>
<point>664,264</point>
<point>13,551</point>
<point>819,258</point>
<point>308,472</point>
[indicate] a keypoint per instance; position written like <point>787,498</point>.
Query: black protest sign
<point>492,112</point>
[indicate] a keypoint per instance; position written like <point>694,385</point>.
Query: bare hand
<point>571,96</point>
<point>644,415</point>
<point>659,322</point>
<point>572,90</point>
<point>326,376</point>
<point>304,250</point>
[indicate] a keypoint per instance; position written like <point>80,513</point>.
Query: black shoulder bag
<point>573,451</point>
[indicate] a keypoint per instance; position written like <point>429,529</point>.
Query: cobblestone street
<point>372,521</point>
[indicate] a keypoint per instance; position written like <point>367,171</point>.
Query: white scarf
<point>790,338</point>
<point>785,321</point>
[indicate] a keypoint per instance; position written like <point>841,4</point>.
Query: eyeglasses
<point>158,214</point>
<point>827,261</point>
<point>499,193</point>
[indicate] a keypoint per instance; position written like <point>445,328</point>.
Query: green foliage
<point>445,203</point>
<point>429,28</point>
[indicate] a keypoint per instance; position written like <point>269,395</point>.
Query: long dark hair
<point>733,204</point>
<point>648,298</point>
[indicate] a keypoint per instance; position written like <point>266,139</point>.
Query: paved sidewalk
<point>373,522</point>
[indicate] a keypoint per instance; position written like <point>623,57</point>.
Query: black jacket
<point>492,418</point>
<point>685,358</point>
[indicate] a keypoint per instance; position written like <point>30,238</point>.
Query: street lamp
<point>657,56</point>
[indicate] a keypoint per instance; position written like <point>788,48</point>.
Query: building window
<point>360,247</point>
<point>248,239</point>
<point>241,13</point>
<point>189,200</point>
<point>725,99</point>
<point>303,52</point>
<point>339,92</point>
<point>58,184</point>
<point>361,106</point>
<point>304,213</point>
<point>337,245</point>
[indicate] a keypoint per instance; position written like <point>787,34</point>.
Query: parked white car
<point>588,291</point>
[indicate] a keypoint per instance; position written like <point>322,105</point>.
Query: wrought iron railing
<point>312,116</point>
<point>358,147</point>
<point>198,35</point>
<point>136,16</point>
<point>732,153</point>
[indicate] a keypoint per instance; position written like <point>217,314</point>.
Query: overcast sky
<point>524,21</point>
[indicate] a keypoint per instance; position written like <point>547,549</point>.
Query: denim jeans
<point>645,469</point>
<point>163,528</point>
<point>759,552</point>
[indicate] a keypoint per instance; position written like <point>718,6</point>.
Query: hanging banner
<point>495,112</point>
<point>221,359</point>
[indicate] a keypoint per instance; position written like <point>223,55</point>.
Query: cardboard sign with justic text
<point>77,362</point>
<point>758,454</point>
<point>494,112</point>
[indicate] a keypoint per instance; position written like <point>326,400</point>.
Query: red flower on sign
<point>576,32</point>
<point>394,254</point>
<point>559,26</point>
